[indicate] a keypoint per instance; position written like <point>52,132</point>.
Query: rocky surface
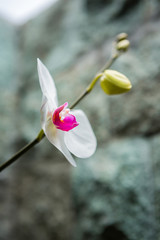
<point>8,84</point>
<point>115,194</point>
<point>8,112</point>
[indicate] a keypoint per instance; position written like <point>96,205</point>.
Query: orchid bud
<point>121,37</point>
<point>113,82</point>
<point>123,45</point>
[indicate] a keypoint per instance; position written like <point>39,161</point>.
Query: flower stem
<point>41,134</point>
<point>23,150</point>
<point>95,79</point>
<point>88,89</point>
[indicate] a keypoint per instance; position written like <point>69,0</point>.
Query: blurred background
<point>114,195</point>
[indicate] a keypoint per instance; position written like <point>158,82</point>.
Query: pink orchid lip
<point>63,120</point>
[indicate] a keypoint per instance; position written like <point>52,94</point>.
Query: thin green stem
<point>88,89</point>
<point>23,151</point>
<point>110,61</point>
<point>95,79</point>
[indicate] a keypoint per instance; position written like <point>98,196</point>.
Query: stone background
<point>116,193</point>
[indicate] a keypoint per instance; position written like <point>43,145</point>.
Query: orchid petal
<point>56,137</point>
<point>44,110</point>
<point>81,140</point>
<point>47,85</point>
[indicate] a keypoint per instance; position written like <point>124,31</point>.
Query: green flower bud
<point>113,82</point>
<point>121,37</point>
<point>123,45</point>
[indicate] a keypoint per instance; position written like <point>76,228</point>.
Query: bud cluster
<point>122,43</point>
<point>111,81</point>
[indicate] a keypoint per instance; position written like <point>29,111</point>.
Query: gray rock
<point>156,179</point>
<point>113,193</point>
<point>8,86</point>
<point>42,197</point>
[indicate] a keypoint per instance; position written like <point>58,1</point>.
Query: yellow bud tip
<point>121,37</point>
<point>113,82</point>
<point>123,45</point>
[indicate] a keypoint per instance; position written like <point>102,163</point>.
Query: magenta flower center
<point>63,120</point>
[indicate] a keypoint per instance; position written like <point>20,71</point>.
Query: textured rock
<point>156,179</point>
<point>8,121</point>
<point>113,193</point>
<point>43,201</point>
<point>8,85</point>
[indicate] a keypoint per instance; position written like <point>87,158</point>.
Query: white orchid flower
<point>69,131</point>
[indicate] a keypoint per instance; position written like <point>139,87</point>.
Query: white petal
<point>81,140</point>
<point>47,84</point>
<point>56,137</point>
<point>44,111</point>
